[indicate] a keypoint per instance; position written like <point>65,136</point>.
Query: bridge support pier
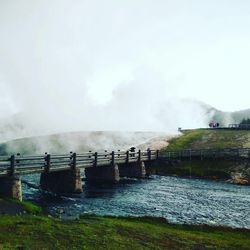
<point>65,181</point>
<point>133,170</point>
<point>103,174</point>
<point>11,187</point>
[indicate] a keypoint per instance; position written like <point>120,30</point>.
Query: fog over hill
<point>125,66</point>
<point>122,114</point>
<point>226,118</point>
<point>85,141</point>
<point>17,135</point>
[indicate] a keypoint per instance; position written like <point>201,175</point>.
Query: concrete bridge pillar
<point>11,187</point>
<point>103,174</point>
<point>133,170</point>
<point>65,181</point>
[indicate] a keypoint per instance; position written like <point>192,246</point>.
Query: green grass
<point>186,140</point>
<point>30,207</point>
<point>93,232</point>
<point>210,138</point>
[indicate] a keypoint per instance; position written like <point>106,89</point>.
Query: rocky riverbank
<point>240,175</point>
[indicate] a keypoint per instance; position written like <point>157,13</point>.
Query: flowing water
<point>179,200</point>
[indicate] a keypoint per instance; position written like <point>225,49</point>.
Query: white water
<point>179,200</point>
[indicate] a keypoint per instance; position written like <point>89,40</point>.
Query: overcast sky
<point>73,56</point>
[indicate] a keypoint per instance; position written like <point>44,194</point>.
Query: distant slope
<point>79,142</point>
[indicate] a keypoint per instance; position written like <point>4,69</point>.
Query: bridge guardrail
<point>28,164</point>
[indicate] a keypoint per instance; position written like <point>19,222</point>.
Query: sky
<point>129,64</point>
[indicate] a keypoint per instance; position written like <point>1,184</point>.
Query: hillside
<point>82,142</point>
<point>210,139</point>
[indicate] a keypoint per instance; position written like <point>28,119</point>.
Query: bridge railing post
<point>149,154</point>
<point>127,157</point>
<point>113,158</point>
<point>157,154</point>
<point>12,165</point>
<point>95,159</point>
<point>18,155</point>
<point>73,161</point>
<point>139,155</point>
<point>47,163</point>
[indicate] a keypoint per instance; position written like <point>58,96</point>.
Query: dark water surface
<point>179,200</point>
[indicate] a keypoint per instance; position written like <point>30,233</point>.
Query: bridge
<point>61,173</point>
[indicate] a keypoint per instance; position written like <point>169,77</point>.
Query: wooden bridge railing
<point>29,164</point>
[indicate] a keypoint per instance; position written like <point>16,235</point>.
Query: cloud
<point>77,65</point>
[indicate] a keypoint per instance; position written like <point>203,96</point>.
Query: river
<point>179,200</point>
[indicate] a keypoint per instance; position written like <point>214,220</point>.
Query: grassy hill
<point>93,232</point>
<point>210,139</point>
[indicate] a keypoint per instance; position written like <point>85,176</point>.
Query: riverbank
<point>95,232</point>
<point>231,171</point>
<point>234,171</point>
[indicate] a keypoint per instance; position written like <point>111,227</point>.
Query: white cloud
<point>83,65</point>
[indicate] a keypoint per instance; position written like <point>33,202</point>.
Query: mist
<point>107,66</point>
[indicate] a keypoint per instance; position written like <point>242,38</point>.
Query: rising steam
<point>104,66</point>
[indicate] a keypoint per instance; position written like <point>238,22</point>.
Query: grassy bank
<point>206,168</point>
<point>93,232</point>
<point>210,138</point>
